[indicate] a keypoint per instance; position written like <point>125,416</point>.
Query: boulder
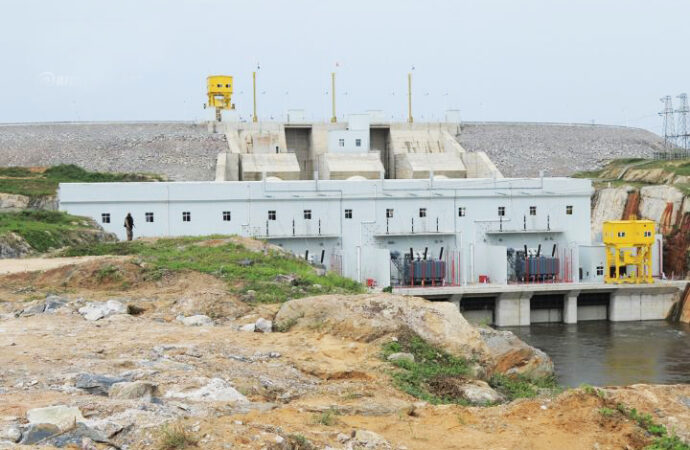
<point>401,356</point>
<point>132,390</point>
<point>372,316</point>
<point>13,245</point>
<point>62,416</point>
<point>198,320</point>
<point>12,434</point>
<point>77,436</point>
<point>263,326</point>
<point>98,310</point>
<point>513,356</point>
<point>37,432</point>
<point>477,392</point>
<point>250,327</point>
<point>369,439</point>
<point>13,202</point>
<point>216,390</point>
<point>96,384</point>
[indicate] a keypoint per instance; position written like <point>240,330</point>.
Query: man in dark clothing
<point>129,226</point>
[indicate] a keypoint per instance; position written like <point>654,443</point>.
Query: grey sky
<point>537,60</point>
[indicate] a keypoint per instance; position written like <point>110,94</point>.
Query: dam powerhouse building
<point>399,205</point>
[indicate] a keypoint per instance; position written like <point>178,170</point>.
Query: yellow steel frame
<point>628,243</point>
<point>219,90</point>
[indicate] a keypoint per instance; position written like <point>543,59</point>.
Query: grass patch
<point>43,230</point>
<point>227,261</point>
<point>662,439</point>
<point>425,377</point>
<point>175,437</point>
<point>23,181</point>
<point>522,386</point>
<point>326,418</point>
<point>299,442</point>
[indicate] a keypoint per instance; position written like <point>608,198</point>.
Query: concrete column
<point>625,306</point>
<point>513,309</point>
<point>570,307</point>
<point>455,299</point>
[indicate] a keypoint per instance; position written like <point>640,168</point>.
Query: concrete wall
<point>369,200</point>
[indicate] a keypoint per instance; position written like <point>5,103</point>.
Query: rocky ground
<point>523,149</point>
<point>181,151</point>
<point>179,362</point>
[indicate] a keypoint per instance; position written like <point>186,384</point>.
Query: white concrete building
<point>353,226</point>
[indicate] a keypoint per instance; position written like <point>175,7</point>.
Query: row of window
<point>187,215</point>
<point>220,85</point>
<point>341,142</point>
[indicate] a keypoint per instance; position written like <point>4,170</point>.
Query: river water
<point>603,353</point>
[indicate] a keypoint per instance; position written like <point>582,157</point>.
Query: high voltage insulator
<point>683,110</point>
<point>668,131</point>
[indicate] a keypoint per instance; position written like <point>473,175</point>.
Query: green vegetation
<point>662,439</point>
<point>326,418</point>
<point>32,183</point>
<point>252,275</point>
<point>44,229</point>
<point>522,386</point>
<point>175,437</point>
<point>430,377</point>
<point>299,442</point>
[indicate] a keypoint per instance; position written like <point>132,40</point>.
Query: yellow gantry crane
<point>628,251</point>
<point>219,91</point>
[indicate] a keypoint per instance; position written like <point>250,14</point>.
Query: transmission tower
<point>683,111</point>
<point>669,131</point>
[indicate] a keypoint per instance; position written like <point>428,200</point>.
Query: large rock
<point>97,310</point>
<point>132,391</point>
<point>62,416</point>
<point>263,326</point>
<point>13,202</point>
<point>12,434</point>
<point>198,320</point>
<point>372,316</point>
<point>13,245</point>
<point>96,384</point>
<point>513,356</point>
<point>477,392</point>
<point>37,432</point>
<point>216,390</point>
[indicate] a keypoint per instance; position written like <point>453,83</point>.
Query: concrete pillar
<point>570,307</point>
<point>625,306</point>
<point>513,309</point>
<point>455,299</point>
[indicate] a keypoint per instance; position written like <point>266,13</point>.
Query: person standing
<point>129,226</point>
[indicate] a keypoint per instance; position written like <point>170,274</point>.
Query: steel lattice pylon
<point>668,131</point>
<point>683,110</point>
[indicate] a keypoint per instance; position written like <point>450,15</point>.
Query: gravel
<point>523,149</point>
<point>180,151</point>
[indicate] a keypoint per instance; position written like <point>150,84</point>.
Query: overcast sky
<point>607,61</point>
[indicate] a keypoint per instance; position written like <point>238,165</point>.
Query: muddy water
<point>614,353</point>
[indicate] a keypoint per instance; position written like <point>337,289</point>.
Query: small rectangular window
<point>461,211</point>
<point>105,218</point>
<point>149,217</point>
<point>600,270</point>
<point>341,142</point>
<point>271,215</point>
<point>501,211</point>
<point>621,234</point>
<point>226,216</point>
<point>569,210</point>
<point>348,214</point>
<point>647,234</point>
<point>186,216</point>
<point>389,213</point>
<point>307,214</point>
<point>422,212</point>
<point>358,142</point>
<point>532,210</point>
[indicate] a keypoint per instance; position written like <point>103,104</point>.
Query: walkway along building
<point>423,235</point>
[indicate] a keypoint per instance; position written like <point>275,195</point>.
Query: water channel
<point>603,353</point>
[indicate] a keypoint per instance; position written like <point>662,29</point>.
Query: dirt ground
<point>302,385</point>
